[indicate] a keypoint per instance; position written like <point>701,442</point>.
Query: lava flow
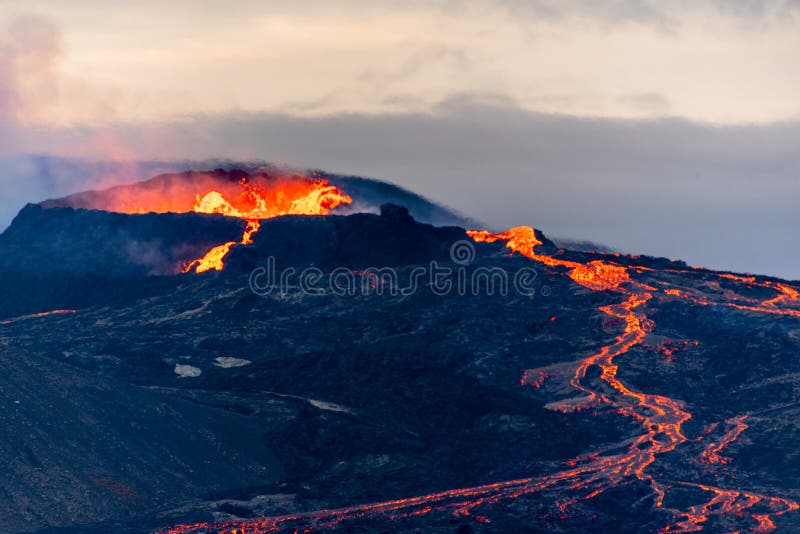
<point>661,419</point>
<point>36,315</point>
<point>781,304</point>
<point>597,275</point>
<point>254,202</point>
<point>711,454</point>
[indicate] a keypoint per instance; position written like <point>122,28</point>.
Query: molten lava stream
<point>36,315</point>
<point>779,305</point>
<point>711,454</point>
<point>589,475</point>
<point>213,258</point>
<point>298,197</point>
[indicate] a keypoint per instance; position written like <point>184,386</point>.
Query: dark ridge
<point>66,258</point>
<point>58,257</point>
<point>369,194</point>
<point>355,241</point>
<point>95,242</point>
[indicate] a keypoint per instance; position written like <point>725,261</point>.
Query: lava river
<point>661,419</point>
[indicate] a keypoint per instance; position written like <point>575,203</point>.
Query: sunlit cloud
<point>724,62</point>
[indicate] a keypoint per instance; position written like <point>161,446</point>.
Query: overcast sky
<point>664,127</point>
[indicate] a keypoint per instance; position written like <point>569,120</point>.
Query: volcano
<point>229,351</point>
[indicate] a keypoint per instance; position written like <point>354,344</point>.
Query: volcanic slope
<point>622,394</point>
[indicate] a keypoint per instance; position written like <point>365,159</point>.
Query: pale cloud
<point>717,61</point>
<point>651,102</point>
<point>30,51</point>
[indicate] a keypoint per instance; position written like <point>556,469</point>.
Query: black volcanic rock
<point>77,446</point>
<point>394,211</point>
<point>354,241</point>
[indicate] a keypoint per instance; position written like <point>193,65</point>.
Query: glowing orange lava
<point>254,203</point>
<point>596,275</point>
<point>295,197</point>
<point>784,303</point>
<point>213,259</point>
